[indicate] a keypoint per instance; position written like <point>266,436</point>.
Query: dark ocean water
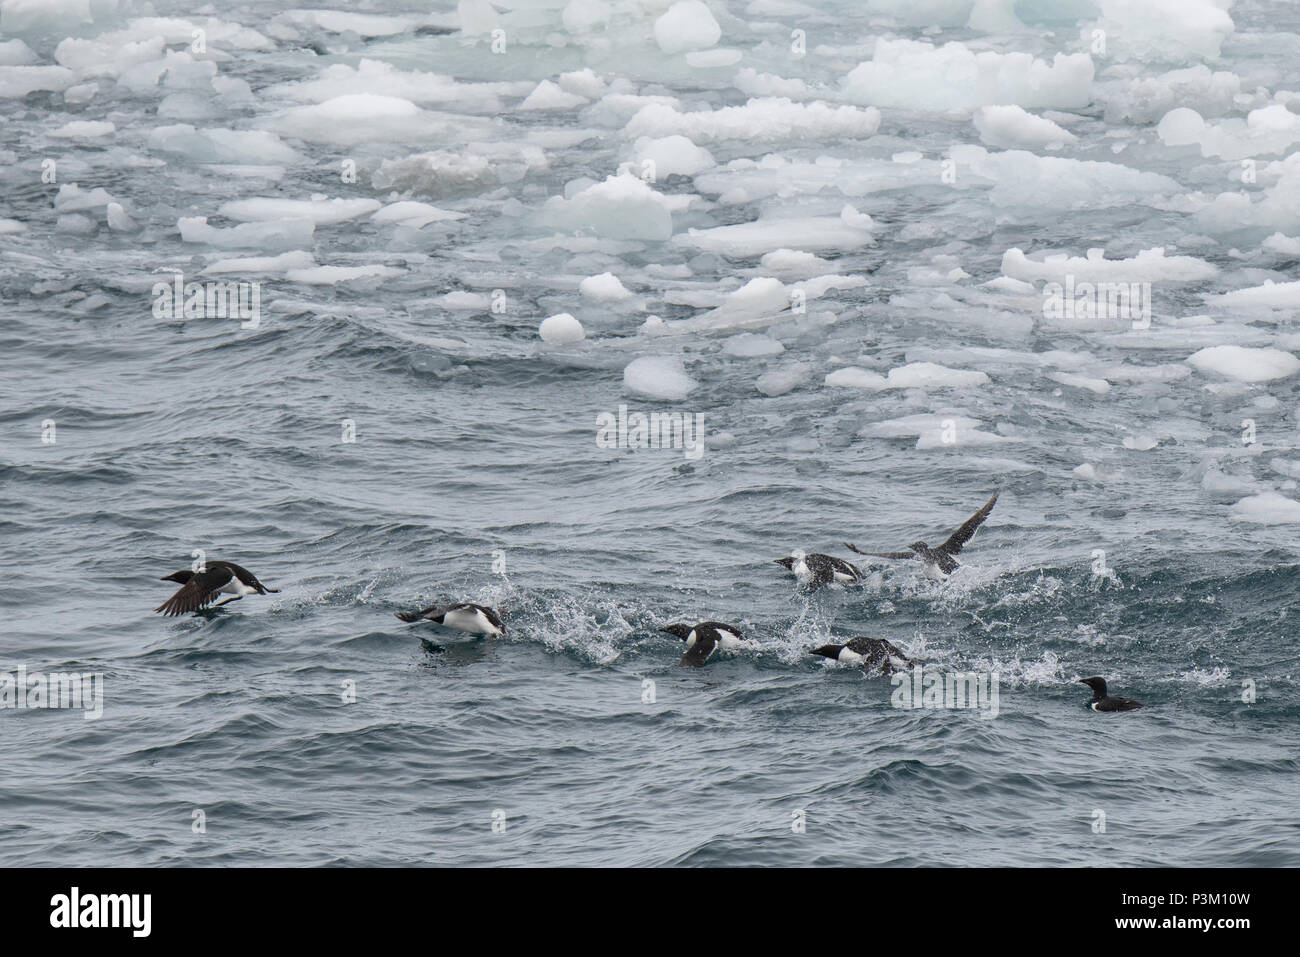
<point>475,447</point>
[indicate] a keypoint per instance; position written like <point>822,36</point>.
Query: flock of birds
<point>200,589</point>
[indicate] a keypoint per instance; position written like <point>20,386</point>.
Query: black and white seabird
<point>1107,702</point>
<point>200,589</point>
<point>463,616</point>
<point>817,570</point>
<point>939,561</point>
<point>704,639</point>
<point>869,653</point>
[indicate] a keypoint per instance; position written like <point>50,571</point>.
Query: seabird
<point>867,652</point>
<point>939,562</point>
<point>200,589</point>
<point>463,616</point>
<point>704,639</point>
<point>1106,702</point>
<point>817,570</point>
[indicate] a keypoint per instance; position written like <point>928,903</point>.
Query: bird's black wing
<point>699,652</point>
<point>1118,704</point>
<point>420,615</point>
<point>963,535</point>
<point>895,555</point>
<point>198,592</point>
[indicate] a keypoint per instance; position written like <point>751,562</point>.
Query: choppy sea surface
<point>392,431</point>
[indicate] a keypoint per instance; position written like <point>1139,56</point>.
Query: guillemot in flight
<point>1101,701</point>
<point>817,570</point>
<point>463,616</point>
<point>867,652</point>
<point>939,561</point>
<point>200,589</point>
<point>704,639</point>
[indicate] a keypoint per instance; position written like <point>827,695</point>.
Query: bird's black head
<point>1097,684</point>
<point>678,631</point>
<point>827,651</point>
<point>181,577</point>
<point>787,562</point>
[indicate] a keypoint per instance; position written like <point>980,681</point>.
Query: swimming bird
<point>817,570</point>
<point>1101,701</point>
<point>200,589</point>
<point>704,639</point>
<point>463,616</point>
<point>867,652</point>
<point>939,561</point>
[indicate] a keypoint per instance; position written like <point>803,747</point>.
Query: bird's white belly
<point>850,657</point>
<point>471,620</point>
<point>729,642</point>
<point>932,570</point>
<point>236,587</point>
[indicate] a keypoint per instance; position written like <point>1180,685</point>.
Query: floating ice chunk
<point>117,218</point>
<point>75,223</point>
<point>477,17</point>
<point>330,275</point>
<point>921,425</point>
<point>929,375</point>
<point>358,118</point>
<point>378,77</point>
<point>782,380</point>
<point>72,198</point>
<point>759,299</point>
<point>108,55</point>
<point>1168,31</point>
<point>1270,129</point>
<point>322,212</point>
<point>80,94</point>
<point>713,59</point>
<point>293,233</point>
<point>10,226</point>
<point>342,21</point>
<point>1267,508</point>
<point>549,96</point>
<point>18,81</point>
<point>1099,386</point>
<point>461,301</point>
<point>442,172</point>
<point>221,145</point>
<point>1097,473</point>
<point>911,75</point>
<point>744,240</point>
<point>1279,209</point>
<point>1282,245</point>
<point>671,155</point>
<point>48,16</point>
<point>1271,295</point>
<point>853,377</point>
<point>795,264</point>
<point>296,259</point>
<point>583,16</point>
<point>1246,364</point>
<point>750,345</point>
<point>604,288</point>
<point>1012,127</point>
<point>414,214</point>
<point>1149,265</point>
<point>16,53</point>
<point>1140,443</point>
<point>562,329</point>
<point>1144,99</point>
<point>622,207</point>
<point>659,377</point>
<point>1024,179</point>
<point>688,25</point>
<point>764,120</point>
